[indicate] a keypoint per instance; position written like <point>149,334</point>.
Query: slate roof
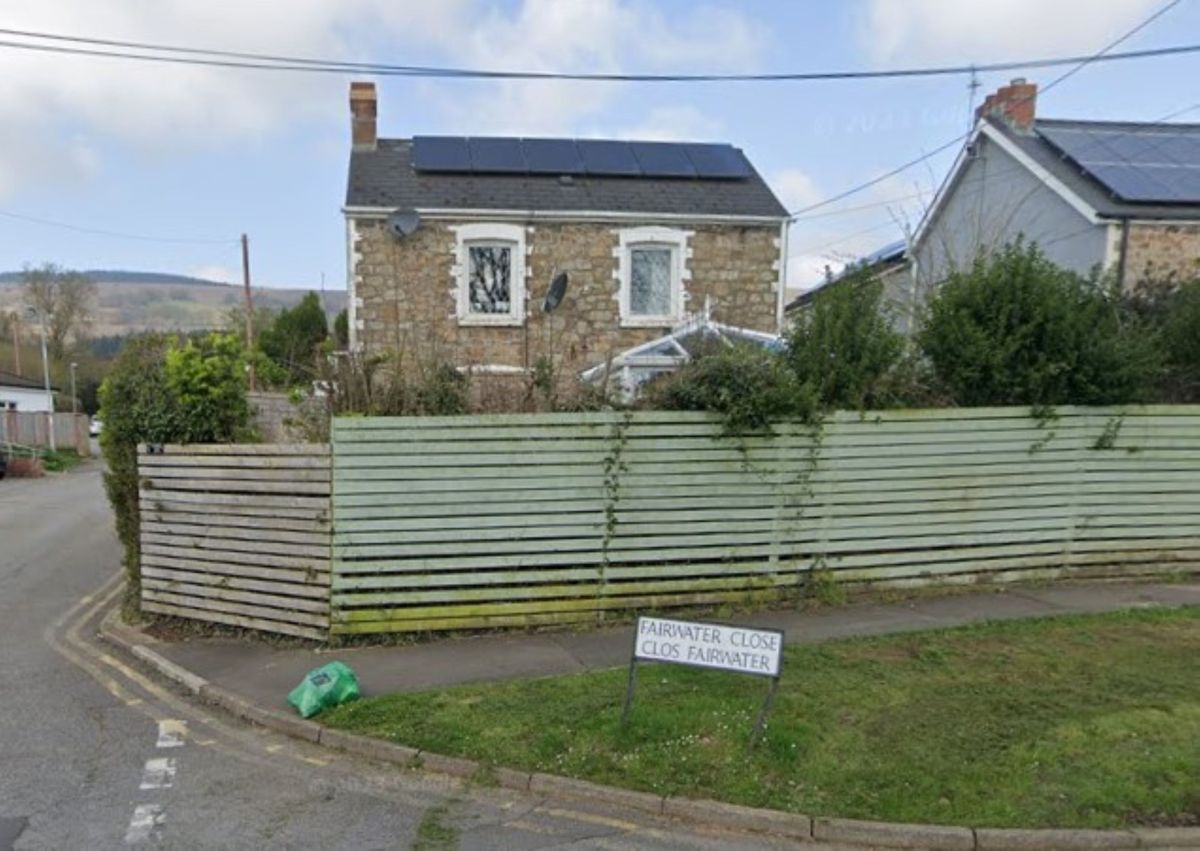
<point>384,178</point>
<point>9,379</point>
<point>1086,185</point>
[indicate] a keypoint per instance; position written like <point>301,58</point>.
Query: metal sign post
<point>722,647</point>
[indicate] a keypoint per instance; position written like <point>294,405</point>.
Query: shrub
<point>843,347</point>
<point>292,339</point>
<point>159,391</point>
<point>207,377</point>
<point>746,385</point>
<point>1174,309</point>
<point>1015,329</point>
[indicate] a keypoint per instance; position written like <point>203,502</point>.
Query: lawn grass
<point>60,461</point>
<point>1082,721</point>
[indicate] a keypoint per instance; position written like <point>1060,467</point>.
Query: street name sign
<point>744,650</point>
<point>723,647</point>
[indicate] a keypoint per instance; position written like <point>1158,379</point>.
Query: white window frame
<point>653,237</point>
<point>490,234</point>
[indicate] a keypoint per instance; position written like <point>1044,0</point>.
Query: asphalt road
<point>96,754</point>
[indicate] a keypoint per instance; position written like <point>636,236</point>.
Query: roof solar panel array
<point>1152,164</point>
<point>594,157</point>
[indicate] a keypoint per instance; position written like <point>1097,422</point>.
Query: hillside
<point>128,302</point>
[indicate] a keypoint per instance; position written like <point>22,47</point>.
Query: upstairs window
<point>652,269</point>
<point>489,284</point>
<point>490,271</point>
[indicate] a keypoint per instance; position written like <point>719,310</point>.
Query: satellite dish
<point>403,223</point>
<point>554,295</point>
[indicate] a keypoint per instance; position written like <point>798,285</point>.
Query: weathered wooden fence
<point>32,428</point>
<point>238,534</point>
<point>444,523</point>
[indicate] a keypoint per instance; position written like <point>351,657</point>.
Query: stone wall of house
<point>1159,252</point>
<point>409,294</point>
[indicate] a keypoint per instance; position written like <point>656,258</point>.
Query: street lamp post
<point>74,398</point>
<point>46,381</point>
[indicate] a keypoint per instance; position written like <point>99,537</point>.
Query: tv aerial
<point>403,223</point>
<point>554,295</point>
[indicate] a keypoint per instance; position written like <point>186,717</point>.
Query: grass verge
<point>1088,721</point>
<point>60,461</point>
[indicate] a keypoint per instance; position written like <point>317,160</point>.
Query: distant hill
<point>122,276</point>
<point>128,302</point>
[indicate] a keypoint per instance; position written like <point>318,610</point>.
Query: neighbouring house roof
<point>1121,169</point>
<point>385,178</point>
<point>891,255</point>
<point>8,379</point>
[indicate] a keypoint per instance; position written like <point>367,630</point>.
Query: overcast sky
<point>204,154</point>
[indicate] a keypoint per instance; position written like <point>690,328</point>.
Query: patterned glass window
<point>650,280</point>
<point>490,278</point>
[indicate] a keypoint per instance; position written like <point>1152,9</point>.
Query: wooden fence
<point>32,428</point>
<point>467,522</point>
<point>238,534</point>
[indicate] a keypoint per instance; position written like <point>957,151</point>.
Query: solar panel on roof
<point>441,153</point>
<point>1158,164</point>
<point>723,161</point>
<point>503,155</point>
<point>612,159</point>
<point>552,156</point>
<point>1161,183</point>
<point>662,159</point>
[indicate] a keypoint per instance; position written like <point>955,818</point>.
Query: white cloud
<point>795,188</point>
<point>595,36</point>
<point>981,30</point>
<point>215,272</point>
<point>672,124</point>
<point>165,108</point>
<point>160,107</point>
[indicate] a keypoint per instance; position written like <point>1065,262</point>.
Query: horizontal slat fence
<point>467,522</point>
<point>238,534</point>
<point>32,428</point>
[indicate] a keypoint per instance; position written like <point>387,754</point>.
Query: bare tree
<point>62,301</point>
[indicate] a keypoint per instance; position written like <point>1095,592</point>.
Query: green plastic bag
<point>323,688</point>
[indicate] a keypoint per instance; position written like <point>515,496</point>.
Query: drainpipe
<point>1124,251</point>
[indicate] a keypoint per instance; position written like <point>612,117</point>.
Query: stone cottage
<point>452,244</point>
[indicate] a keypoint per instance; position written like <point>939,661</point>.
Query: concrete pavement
<point>265,673</point>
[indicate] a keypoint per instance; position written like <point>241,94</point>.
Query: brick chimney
<point>1015,104</point>
<point>363,108</point>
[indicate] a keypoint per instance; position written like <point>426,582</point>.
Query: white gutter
<point>565,215</point>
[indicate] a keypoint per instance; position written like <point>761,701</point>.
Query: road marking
<point>158,774</point>
<point>312,760</point>
<point>146,817</point>
<point>171,733</point>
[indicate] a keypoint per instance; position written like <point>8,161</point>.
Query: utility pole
<point>46,381</point>
<point>249,310</point>
<point>16,323</point>
<point>74,398</point>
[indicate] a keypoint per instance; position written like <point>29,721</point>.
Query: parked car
<point>94,427</point>
<point>3,465</point>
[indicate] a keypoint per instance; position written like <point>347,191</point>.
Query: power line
<point>114,234</point>
<point>185,55</point>
<point>1102,55</point>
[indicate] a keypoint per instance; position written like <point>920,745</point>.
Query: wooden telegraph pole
<point>16,326</point>
<point>249,309</point>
